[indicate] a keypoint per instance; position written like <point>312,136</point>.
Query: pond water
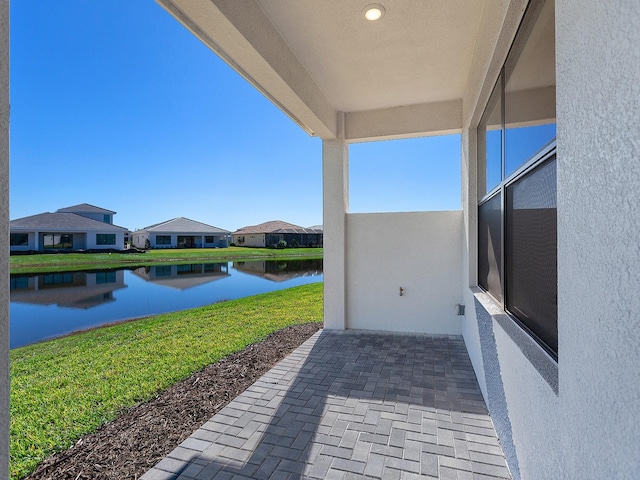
<point>50,305</point>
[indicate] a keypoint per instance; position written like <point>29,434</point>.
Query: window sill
<point>544,364</point>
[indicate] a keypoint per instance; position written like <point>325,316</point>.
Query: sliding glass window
<point>19,239</point>
<point>57,241</point>
<point>105,238</point>
<point>517,219</point>
<point>531,273</point>
<point>163,239</point>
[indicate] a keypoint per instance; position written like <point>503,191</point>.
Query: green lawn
<point>88,261</point>
<point>66,388</point>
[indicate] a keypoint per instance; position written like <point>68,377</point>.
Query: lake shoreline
<point>66,388</point>
<point>64,262</point>
<point>56,304</point>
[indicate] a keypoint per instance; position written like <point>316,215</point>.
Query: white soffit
<point>315,58</point>
<point>418,52</point>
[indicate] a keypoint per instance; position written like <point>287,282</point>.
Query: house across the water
<point>272,233</point>
<point>181,233</point>
<point>80,227</point>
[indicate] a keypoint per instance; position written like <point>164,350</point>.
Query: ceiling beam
<point>427,119</point>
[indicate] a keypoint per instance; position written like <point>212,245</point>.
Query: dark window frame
<point>163,271</point>
<point>163,239</point>
<point>23,242</point>
<point>105,238</point>
<point>550,344</point>
<point>103,278</point>
<point>186,241</point>
<point>66,241</point>
<point>19,283</point>
<point>546,153</point>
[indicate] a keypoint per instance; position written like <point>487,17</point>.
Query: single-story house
<point>276,231</point>
<point>82,227</point>
<point>180,233</point>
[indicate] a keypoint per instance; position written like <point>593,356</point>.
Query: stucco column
<point>335,189</point>
<point>4,232</point>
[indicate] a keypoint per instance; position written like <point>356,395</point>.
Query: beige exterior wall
<point>249,240</point>
<point>139,239</point>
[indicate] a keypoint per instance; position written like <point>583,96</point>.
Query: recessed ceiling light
<point>373,12</point>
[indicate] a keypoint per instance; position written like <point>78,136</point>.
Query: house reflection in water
<point>67,289</point>
<point>182,277</point>
<point>280,270</point>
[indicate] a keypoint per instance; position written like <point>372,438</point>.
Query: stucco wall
<point>4,232</point>
<point>90,240</point>
<point>520,382</point>
<point>252,240</point>
<point>598,72</point>
<point>589,427</point>
<point>420,252</point>
<point>96,216</point>
<point>532,406</point>
<point>139,239</point>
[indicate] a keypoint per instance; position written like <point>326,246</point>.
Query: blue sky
<point>116,104</point>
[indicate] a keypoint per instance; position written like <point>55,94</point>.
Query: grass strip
<point>41,263</point>
<point>66,388</point>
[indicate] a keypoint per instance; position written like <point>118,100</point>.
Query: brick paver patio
<point>351,405</point>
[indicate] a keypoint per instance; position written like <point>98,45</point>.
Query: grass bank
<point>66,388</point>
<point>41,263</point>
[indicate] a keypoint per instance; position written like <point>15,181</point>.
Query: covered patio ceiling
<point>403,75</point>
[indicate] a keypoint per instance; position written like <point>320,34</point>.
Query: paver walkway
<point>351,405</point>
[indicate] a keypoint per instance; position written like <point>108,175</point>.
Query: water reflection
<point>49,305</point>
<point>280,270</point>
<point>67,289</point>
<point>182,277</point>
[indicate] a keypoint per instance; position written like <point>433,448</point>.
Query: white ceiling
<point>419,52</point>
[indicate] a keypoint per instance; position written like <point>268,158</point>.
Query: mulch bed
<point>144,434</point>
